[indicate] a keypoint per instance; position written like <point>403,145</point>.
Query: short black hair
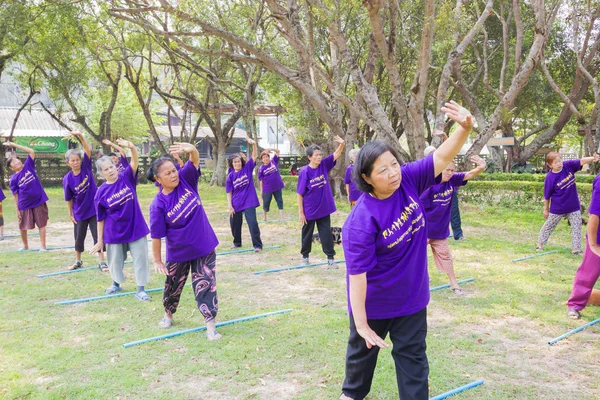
<point>233,157</point>
<point>311,149</point>
<point>365,160</point>
<point>9,161</point>
<point>112,154</point>
<point>156,164</point>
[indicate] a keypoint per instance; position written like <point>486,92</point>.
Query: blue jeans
<point>455,217</point>
<point>236,220</point>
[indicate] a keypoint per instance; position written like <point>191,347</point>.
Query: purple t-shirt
<point>314,187</point>
<point>81,189</point>
<point>595,203</point>
<point>270,177</point>
<point>2,196</point>
<point>28,186</point>
<point>241,186</point>
<point>560,188</point>
<point>123,163</point>
<point>117,205</point>
<point>437,201</point>
<point>354,192</point>
<point>180,217</point>
<point>387,240</point>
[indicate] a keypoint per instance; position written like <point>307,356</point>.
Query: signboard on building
<point>52,144</point>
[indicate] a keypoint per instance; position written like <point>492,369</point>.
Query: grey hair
<point>102,160</point>
<point>72,152</point>
<point>353,152</point>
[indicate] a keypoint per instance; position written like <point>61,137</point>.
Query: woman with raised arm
<point>270,181</point>
<point>121,224</point>
<point>385,244</point>
<point>79,188</point>
<point>351,190</point>
<point>242,199</point>
<point>561,199</point>
<point>177,214</point>
<point>119,160</point>
<point>30,197</point>
<point>437,201</point>
<point>315,200</point>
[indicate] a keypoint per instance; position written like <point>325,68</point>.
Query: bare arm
<point>348,191</point>
<point>134,154</point>
<point>230,203</point>
<point>276,151</point>
<point>546,208</point>
<point>480,162</point>
<point>16,197</point>
<point>358,296</point>
<point>182,147</point>
<point>254,148</point>
<point>71,214</point>
<point>114,146</point>
<point>260,183</point>
<point>340,149</point>
<point>84,143</point>
<point>450,148</point>
<point>26,149</point>
<point>300,200</point>
<point>100,243</point>
<point>592,234</point>
<point>587,160</point>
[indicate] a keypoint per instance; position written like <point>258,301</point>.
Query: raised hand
<point>9,144</point>
<point>181,147</point>
<point>596,157</point>
<point>338,139</point>
<point>125,143</point>
<point>108,142</point>
<point>478,161</point>
<point>250,141</point>
<point>458,114</point>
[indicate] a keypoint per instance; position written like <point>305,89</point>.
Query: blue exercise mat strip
<point>67,272</point>
<point>574,331</point>
<point>19,235</point>
<point>202,328</point>
<point>28,250</point>
<point>108,296</point>
<point>268,271</point>
<point>458,390</point>
<point>448,285</point>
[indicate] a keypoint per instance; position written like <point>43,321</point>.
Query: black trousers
<point>236,220</point>
<point>80,232</point>
<point>324,228</point>
<point>412,369</point>
<point>455,217</point>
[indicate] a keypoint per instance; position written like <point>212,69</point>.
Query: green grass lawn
<point>498,333</point>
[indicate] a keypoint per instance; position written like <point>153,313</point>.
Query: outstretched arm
<point>182,147</point>
<point>480,162</point>
<point>114,146</point>
<point>134,155</point>
<point>340,149</point>
<point>84,143</point>
<point>26,149</point>
<point>587,160</point>
<point>254,148</point>
<point>450,148</point>
<point>276,151</point>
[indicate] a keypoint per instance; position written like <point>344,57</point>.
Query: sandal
<point>103,266</point>
<point>577,253</point>
<point>113,289</point>
<point>143,296</point>
<point>458,291</point>
<point>213,336</point>
<point>76,265</point>
<point>165,323</point>
<point>573,313</point>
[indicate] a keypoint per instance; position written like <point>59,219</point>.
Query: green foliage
<point>581,177</point>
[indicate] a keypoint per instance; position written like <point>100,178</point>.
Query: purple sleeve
<point>29,163</point>
<point>2,195</point>
<point>250,164</point>
<point>14,186</point>
<point>178,167</point>
<point>228,184</point>
<point>130,175</point>
<point>421,172</point>
<point>301,188</point>
<point>348,175</point>
<point>124,161</point>
<point>329,162</point>
<point>190,174</point>
<point>359,251</point>
<point>276,159</point>
<point>158,226</point>
<point>67,189</point>
<point>573,165</point>
<point>260,174</point>
<point>86,163</point>
<point>100,210</point>
<point>458,179</point>
<point>548,186</point>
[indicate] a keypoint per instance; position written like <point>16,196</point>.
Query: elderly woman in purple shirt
<point>385,244</point>
<point>270,181</point>
<point>121,224</point>
<point>177,214</point>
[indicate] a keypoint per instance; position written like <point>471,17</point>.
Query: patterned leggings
<point>553,220</point>
<point>204,284</point>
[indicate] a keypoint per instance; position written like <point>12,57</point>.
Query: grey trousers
<point>116,255</point>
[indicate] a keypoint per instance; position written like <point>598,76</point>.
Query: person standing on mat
<point>437,204</point>
<point>315,200</point>
<point>561,199</point>
<point>385,244</point>
<point>588,272</point>
<point>242,199</point>
<point>79,188</point>
<point>121,224</point>
<point>351,190</point>
<point>270,181</point>
<point>177,214</point>
<point>30,197</point>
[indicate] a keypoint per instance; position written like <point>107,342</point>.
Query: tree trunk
<point>220,158</point>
